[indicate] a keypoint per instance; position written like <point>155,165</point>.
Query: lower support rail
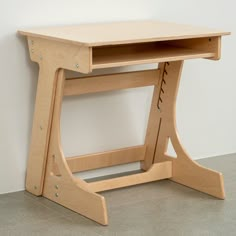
<point>158,171</point>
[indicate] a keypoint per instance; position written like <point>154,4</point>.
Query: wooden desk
<point>83,48</point>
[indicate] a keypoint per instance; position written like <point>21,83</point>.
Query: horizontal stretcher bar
<point>102,83</point>
<point>158,171</point>
<point>105,159</point>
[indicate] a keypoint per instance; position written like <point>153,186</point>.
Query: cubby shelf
<point>105,57</point>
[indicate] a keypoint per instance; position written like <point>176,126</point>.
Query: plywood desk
<point>84,48</point>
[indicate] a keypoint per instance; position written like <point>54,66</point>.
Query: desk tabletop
<point>121,32</point>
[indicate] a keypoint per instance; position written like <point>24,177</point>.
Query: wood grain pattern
<point>137,54</point>
<point>121,32</point>
<point>66,190</point>
<point>53,54</point>
<point>209,44</point>
<point>103,83</point>
<point>104,159</point>
<point>87,47</point>
<point>153,126</point>
<point>185,170</point>
<point>158,171</point>
<point>50,56</point>
<point>41,130</point>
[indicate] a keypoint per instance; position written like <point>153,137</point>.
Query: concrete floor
<point>159,208</point>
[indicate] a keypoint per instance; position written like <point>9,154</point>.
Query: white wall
<point>111,120</point>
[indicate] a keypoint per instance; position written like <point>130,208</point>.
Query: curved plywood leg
<point>64,188</point>
<point>191,174</point>
<point>184,170</point>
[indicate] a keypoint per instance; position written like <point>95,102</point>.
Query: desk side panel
<point>60,55</point>
<point>50,56</point>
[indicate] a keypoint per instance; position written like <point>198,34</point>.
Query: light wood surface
<point>53,54</point>
<point>154,123</point>
<point>65,189</point>
<point>158,171</point>
<point>105,159</point>
<point>185,170</point>
<point>84,48</point>
<point>134,55</point>
<point>212,44</point>
<point>121,32</point>
<point>102,83</point>
<point>41,130</point>
<point>50,56</point>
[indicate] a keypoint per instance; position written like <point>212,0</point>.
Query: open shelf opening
<point>142,53</point>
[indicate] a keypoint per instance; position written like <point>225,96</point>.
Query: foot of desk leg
<point>185,171</point>
<point>191,174</point>
<point>68,193</point>
<point>64,188</point>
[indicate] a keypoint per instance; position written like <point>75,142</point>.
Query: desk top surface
<point>121,32</point>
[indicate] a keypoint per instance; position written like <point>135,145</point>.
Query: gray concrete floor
<point>159,208</point>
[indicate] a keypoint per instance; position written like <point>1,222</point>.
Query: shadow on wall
<point>18,87</point>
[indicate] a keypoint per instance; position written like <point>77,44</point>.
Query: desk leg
<point>41,130</point>
<point>153,126</point>
<point>185,170</point>
<point>63,187</point>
